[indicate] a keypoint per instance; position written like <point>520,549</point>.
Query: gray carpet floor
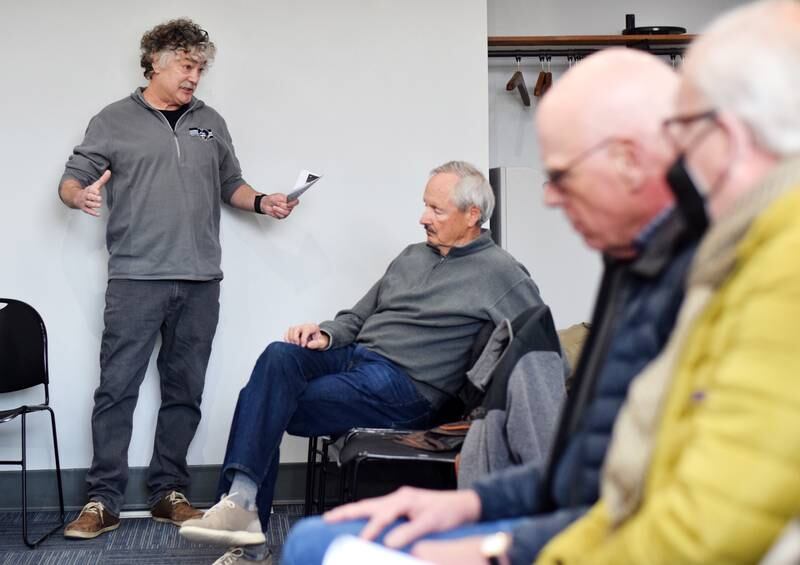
<point>138,541</point>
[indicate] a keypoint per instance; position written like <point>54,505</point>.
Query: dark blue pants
<point>185,314</point>
<point>311,393</point>
<point>309,539</point>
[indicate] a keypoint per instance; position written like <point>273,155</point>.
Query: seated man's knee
<point>278,349</point>
<point>309,539</point>
<point>271,362</point>
<point>307,542</point>
<point>278,354</point>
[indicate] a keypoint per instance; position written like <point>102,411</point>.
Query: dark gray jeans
<point>185,313</point>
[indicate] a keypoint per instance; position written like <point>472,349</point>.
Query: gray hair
<point>204,58</point>
<point>748,63</point>
<point>472,188</point>
<point>173,37</point>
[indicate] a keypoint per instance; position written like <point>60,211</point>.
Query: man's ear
<point>739,139</point>
<point>474,216</point>
<point>155,61</point>
<point>627,162</point>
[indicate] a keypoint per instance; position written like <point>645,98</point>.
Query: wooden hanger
<point>548,78</point>
<point>537,89</point>
<point>518,81</point>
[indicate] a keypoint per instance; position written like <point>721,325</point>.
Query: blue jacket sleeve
<point>530,535</point>
<point>511,493</point>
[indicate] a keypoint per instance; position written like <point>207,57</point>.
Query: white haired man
<point>606,161</point>
<point>390,361</point>
<point>172,162</point>
<point>704,462</point>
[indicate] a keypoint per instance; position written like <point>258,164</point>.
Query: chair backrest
<point>534,330</point>
<point>572,340</point>
<point>23,347</point>
<point>468,396</point>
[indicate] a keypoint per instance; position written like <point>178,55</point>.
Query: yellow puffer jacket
<point>725,475</point>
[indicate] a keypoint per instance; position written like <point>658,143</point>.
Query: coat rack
<point>575,47</point>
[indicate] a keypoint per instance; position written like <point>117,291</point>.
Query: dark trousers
<point>185,314</point>
<point>312,393</point>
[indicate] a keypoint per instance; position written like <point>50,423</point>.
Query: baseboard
<point>43,493</point>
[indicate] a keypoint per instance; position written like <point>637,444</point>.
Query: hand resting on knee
<point>427,511</point>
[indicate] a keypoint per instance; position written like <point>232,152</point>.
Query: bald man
<point>704,466</point>
<point>606,160</point>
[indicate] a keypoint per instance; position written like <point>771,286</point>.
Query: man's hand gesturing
<point>89,200</point>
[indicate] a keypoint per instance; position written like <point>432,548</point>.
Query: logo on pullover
<point>201,133</point>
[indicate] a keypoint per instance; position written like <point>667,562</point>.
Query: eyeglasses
<point>674,127</point>
<point>555,176</point>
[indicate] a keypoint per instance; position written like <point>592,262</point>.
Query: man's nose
<point>552,196</point>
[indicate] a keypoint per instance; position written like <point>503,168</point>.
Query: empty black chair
<point>23,364</point>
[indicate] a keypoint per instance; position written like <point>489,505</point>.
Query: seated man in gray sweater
<point>390,361</point>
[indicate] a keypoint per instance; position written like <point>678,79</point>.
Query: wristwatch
<point>257,203</point>
<point>495,546</point>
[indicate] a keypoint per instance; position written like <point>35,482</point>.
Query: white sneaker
<point>236,555</point>
<point>226,524</point>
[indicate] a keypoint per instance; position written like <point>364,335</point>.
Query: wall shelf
<point>589,40</point>
<point>548,46</point>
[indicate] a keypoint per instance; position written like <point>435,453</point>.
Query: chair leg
<point>343,470</point>
<point>28,542</point>
<point>354,483</point>
<point>311,465</point>
<point>323,476</point>
<point>58,468</point>
<point>25,489</point>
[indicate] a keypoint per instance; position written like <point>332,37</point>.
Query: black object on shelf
<point>632,29</point>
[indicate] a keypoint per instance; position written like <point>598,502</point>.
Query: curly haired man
<point>162,161</point>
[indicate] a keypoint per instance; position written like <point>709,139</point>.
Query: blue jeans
<point>311,393</point>
<point>309,539</point>
<point>185,314</point>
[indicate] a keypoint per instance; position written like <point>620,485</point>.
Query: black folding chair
<point>373,444</point>
<point>23,364</point>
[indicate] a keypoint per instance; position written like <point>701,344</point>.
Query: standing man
<point>163,160</point>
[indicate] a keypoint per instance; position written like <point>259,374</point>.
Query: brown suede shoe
<point>174,508</point>
<point>91,522</point>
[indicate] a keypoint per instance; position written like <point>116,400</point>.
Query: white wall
<point>569,284</point>
<point>372,94</point>
<point>584,17</point>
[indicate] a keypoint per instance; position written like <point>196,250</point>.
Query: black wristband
<point>257,203</point>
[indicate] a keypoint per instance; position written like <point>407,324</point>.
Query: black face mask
<point>688,200</point>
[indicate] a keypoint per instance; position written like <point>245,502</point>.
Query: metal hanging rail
<point>593,40</point>
<point>583,45</point>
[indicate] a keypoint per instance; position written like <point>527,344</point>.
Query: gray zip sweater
<point>426,310</point>
<point>165,188</point>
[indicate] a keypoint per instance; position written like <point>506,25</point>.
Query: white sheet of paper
<point>305,180</point>
<point>350,550</point>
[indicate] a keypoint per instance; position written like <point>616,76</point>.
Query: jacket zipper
<point>174,131</point>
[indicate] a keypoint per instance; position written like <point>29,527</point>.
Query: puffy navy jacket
<point>634,314</point>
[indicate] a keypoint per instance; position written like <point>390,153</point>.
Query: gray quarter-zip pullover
<point>165,188</point>
<point>426,310</point>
